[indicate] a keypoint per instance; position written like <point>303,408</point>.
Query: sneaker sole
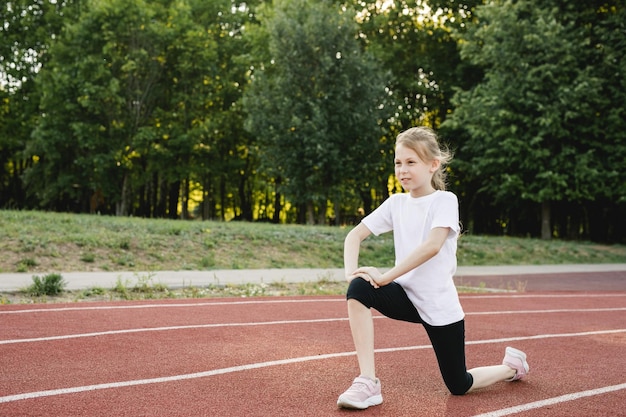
<point>360,405</point>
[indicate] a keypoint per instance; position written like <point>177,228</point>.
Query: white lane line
<point>278,300</point>
<point>161,329</point>
<point>551,401</point>
<point>173,378</point>
<point>560,310</point>
<point>271,323</point>
<point>578,295</point>
<point>258,365</point>
<point>173,305</point>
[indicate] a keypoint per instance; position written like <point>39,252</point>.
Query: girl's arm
<point>421,254</point>
<point>351,247</point>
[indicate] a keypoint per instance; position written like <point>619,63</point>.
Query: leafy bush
<point>51,284</point>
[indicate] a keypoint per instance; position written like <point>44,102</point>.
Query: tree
<point>532,123</point>
<point>100,88</point>
<point>413,40</point>
<point>314,104</point>
<point>133,82</point>
<point>28,27</point>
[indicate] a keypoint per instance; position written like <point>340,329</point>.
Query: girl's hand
<point>369,274</point>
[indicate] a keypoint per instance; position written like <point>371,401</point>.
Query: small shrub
<point>25,264</point>
<point>207,261</point>
<point>125,260</point>
<point>121,288</point>
<point>94,291</point>
<point>88,257</point>
<point>51,284</point>
<point>146,286</point>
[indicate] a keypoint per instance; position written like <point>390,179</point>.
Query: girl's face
<point>414,174</point>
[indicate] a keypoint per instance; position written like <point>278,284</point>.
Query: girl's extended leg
<point>362,327</point>
<point>390,300</point>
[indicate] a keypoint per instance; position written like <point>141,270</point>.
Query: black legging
<point>448,341</point>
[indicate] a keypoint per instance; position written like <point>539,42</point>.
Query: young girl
<point>419,288</point>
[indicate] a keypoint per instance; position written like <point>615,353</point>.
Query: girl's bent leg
<point>485,376</point>
<point>449,346</point>
<point>514,366</point>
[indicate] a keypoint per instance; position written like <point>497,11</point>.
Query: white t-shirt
<point>430,286</point>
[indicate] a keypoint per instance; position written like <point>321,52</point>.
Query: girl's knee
<point>357,287</point>
<point>460,386</point>
<point>361,291</point>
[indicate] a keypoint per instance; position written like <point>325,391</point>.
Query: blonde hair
<point>424,141</point>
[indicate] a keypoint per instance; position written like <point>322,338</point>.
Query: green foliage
<point>132,98</point>
<point>519,118</point>
<point>25,264</point>
<point>131,107</point>
<point>143,289</point>
<point>50,284</point>
<point>533,125</point>
<point>313,103</point>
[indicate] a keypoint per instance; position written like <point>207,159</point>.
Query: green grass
<point>44,242</point>
<point>41,243</point>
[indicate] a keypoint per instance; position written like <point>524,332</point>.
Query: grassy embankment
<point>44,243</point>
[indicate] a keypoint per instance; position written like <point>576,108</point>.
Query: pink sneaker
<point>516,359</point>
<point>362,394</point>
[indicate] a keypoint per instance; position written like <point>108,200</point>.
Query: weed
<point>94,291</point>
<point>193,292</point>
<point>88,257</point>
<point>121,288</point>
<point>51,284</point>
<point>147,286</point>
<point>125,260</point>
<point>144,288</point>
<point>246,290</point>
<point>25,264</point>
<point>207,261</point>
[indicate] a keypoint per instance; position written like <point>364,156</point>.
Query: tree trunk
<point>172,200</point>
<point>321,215</point>
<point>185,200</point>
<point>277,202</point>
<point>245,201</point>
<point>223,197</point>
<point>161,209</point>
<point>310,215</point>
<point>206,204</point>
<point>546,229</point>
<point>277,208</point>
<point>121,207</point>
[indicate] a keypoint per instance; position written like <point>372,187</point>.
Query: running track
<point>293,356</point>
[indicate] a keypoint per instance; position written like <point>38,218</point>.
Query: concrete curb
<point>177,279</point>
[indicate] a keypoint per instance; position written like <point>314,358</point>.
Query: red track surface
<point>294,356</point>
